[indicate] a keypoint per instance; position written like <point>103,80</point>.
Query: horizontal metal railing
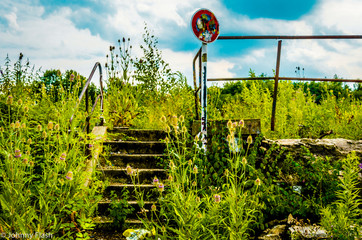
<point>276,77</point>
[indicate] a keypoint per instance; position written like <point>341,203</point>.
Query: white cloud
<point>51,41</point>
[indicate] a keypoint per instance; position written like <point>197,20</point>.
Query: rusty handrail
<point>279,37</point>
<point>286,78</point>
<point>197,89</point>
<point>85,91</point>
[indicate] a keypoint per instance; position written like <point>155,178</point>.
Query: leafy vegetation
<point>232,191</point>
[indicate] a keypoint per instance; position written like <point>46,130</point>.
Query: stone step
<point>150,191</point>
<point>104,227</point>
<point>137,134</point>
<point>136,147</point>
<point>121,160</point>
<point>104,205</point>
<point>119,175</point>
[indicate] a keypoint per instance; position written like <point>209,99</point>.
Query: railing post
<point>87,110</point>
<point>276,79</point>
<point>204,96</point>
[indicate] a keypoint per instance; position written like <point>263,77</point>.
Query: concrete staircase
<point>140,149</point>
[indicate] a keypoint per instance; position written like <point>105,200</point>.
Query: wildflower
<point>129,170</point>
<point>23,126</point>
<point>235,124</point>
<point>190,162</point>
<point>9,101</point>
<point>168,129</point>
<point>217,198</point>
<point>153,208</point>
<point>39,128</point>
<point>167,140</point>
<point>44,134</point>
<point>174,120</point>
<point>90,146</point>
<point>50,125</point>
<point>163,119</point>
<point>26,109</point>
<point>184,129</point>
<point>199,215</point>
<point>17,153</point>
<point>12,125</point>
<point>195,169</point>
<point>25,160</point>
<point>29,141</point>
<point>181,119</point>
<point>78,77</point>
<point>194,183</point>
<point>69,175</point>
<point>172,165</point>
<point>249,139</point>
<point>1,129</point>
<point>170,178</point>
<point>226,172</point>
<point>17,124</point>
<point>228,138</point>
<point>360,166</point>
<point>163,229</point>
<point>161,187</point>
<point>197,139</point>
<point>229,124</point>
<point>155,181</point>
<point>31,163</point>
<point>241,123</point>
<point>257,182</point>
<point>71,77</point>
<point>63,156</point>
<point>59,73</point>
<point>20,102</point>
<point>244,161</point>
<point>198,199</point>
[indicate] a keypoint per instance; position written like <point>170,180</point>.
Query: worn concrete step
<point>136,147</point>
<point>105,205</point>
<point>119,175</point>
<point>121,160</point>
<point>149,191</point>
<point>104,225</point>
<point>137,134</point>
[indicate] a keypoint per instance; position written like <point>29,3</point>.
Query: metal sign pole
<point>206,28</point>
<point>204,96</point>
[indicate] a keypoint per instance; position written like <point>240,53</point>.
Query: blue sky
<point>75,34</point>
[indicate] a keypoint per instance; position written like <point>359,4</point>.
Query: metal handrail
<point>85,91</point>
<point>197,89</point>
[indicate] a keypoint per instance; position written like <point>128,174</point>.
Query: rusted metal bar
<point>196,89</point>
<point>321,79</point>
<point>276,85</point>
<point>286,78</point>
<point>292,37</point>
<point>239,79</point>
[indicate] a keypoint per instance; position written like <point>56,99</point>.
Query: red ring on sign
<point>205,26</point>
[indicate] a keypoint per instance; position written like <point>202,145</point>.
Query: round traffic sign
<point>205,26</point>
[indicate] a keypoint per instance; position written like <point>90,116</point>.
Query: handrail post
<point>276,79</point>
<point>196,89</point>
<point>87,109</point>
<point>204,96</point>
